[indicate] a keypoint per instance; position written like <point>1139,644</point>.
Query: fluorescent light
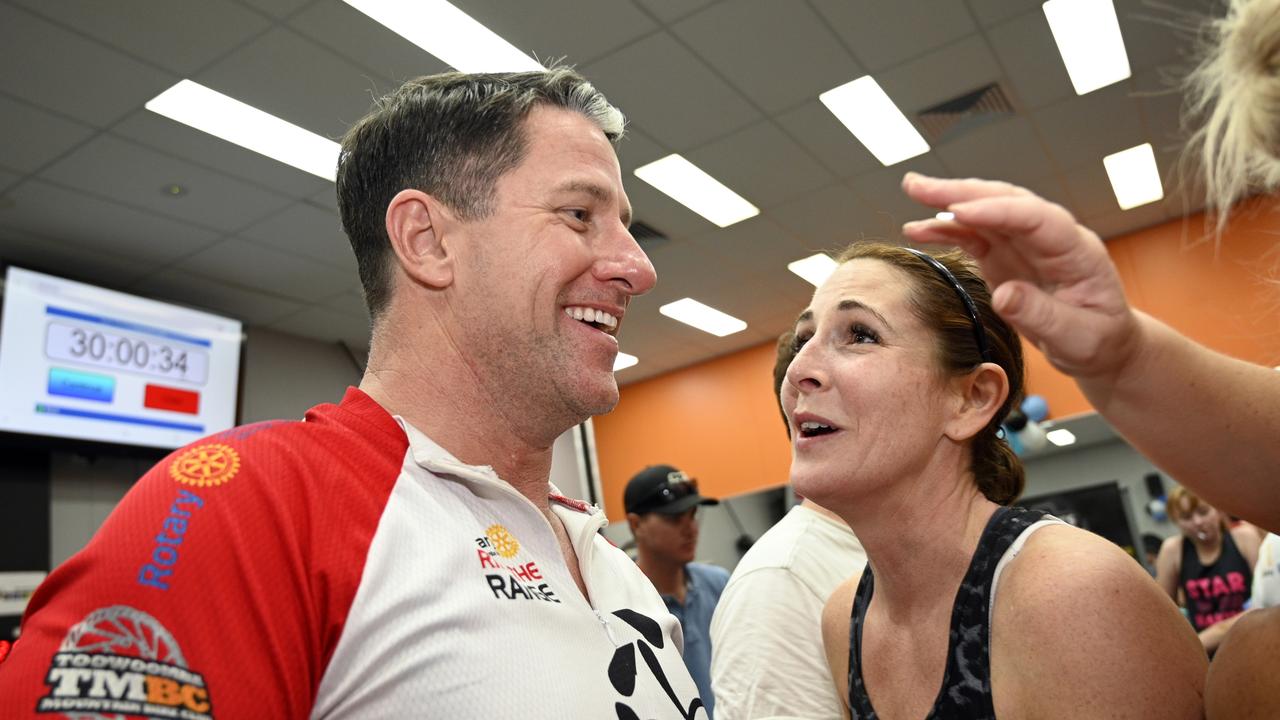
<point>815,268</point>
<point>448,33</point>
<point>1089,40</point>
<point>1061,437</point>
<point>703,317</point>
<point>872,117</point>
<point>210,111</point>
<point>688,185</point>
<point>624,361</point>
<point>1134,177</point>
<point>945,215</point>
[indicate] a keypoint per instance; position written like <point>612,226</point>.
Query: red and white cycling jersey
<point>342,567</point>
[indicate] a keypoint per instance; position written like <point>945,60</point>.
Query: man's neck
<point>667,577</point>
<point>440,396</point>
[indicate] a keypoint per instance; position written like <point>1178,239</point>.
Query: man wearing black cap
<point>662,504</point>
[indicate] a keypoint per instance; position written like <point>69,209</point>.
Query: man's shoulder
<point>714,575</point>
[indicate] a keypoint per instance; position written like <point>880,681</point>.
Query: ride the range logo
<point>508,578</point>
<point>122,661</point>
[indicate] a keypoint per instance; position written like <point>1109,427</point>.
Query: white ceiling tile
<point>1089,191</point>
<point>1021,158</point>
<point>6,179</point>
<point>326,324</point>
<point>881,190</point>
<point>759,246</point>
<point>47,255</point>
<point>241,303</point>
<point>85,221</point>
<point>828,218</point>
<point>599,27</point>
<point>1160,101</point>
<point>349,301</point>
<point>131,174</point>
<point>181,37</point>
<point>941,75</point>
<point>366,42</point>
<point>1164,33</point>
<point>670,93</point>
<point>1085,128</point>
<point>1127,221</point>
<point>813,126</point>
<point>777,54</point>
<point>277,8</point>
<point>1031,61</point>
<point>248,264</point>
<point>736,160</point>
<point>185,142</point>
<point>30,138</point>
<point>671,10</point>
<point>882,35</point>
<point>636,149</point>
<point>326,198</point>
<point>989,12</point>
<point>315,88</point>
<point>54,68</point>
<point>306,230</point>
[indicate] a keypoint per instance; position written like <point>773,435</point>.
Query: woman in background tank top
<point>1207,569</point>
<point>902,376</point>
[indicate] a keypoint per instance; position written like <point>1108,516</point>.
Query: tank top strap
<point>966,681</point>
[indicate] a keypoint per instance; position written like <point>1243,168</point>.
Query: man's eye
<point>578,214</point>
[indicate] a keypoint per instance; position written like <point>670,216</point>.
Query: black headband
<point>979,332</point>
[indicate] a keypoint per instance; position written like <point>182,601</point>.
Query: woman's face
<point>865,396</point>
<point>1203,524</point>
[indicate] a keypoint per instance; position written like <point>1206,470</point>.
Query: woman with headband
<point>902,377</point>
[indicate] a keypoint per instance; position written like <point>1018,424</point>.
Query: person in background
<point>662,511</point>
<point>401,553</point>
<point>766,635</point>
<point>1208,568</point>
<point>1266,575</point>
<point>902,377</point>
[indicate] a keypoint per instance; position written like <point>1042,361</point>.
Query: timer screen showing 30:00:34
<point>121,352</point>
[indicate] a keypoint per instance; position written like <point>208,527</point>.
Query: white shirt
<point>767,659</point>
<point>1266,574</point>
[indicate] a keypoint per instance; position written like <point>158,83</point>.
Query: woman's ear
<point>981,393</point>
<point>416,226</point>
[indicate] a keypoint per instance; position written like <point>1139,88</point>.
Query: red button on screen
<point>160,397</point>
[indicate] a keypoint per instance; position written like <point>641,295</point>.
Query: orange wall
<point>718,420</point>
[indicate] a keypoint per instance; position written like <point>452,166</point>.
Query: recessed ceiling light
<point>815,268</point>
<point>223,116</point>
<point>1089,40</point>
<point>624,361</point>
<point>1060,437</point>
<point>945,215</point>
<point>688,185</point>
<point>448,33</point>
<point>872,117</point>
<point>703,317</point>
<point>173,190</point>
<point>1134,176</point>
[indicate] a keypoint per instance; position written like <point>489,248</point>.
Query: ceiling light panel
<point>1089,40</point>
<point>448,33</point>
<point>875,120</point>
<point>815,269</point>
<point>690,186</point>
<point>624,361</point>
<point>1135,179</point>
<point>703,317</point>
<point>210,111</point>
<point>1061,437</point>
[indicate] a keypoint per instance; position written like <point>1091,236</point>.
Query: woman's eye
<point>863,334</point>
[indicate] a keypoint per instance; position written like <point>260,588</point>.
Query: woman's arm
<point>1080,630</point>
<point>1207,419</point>
<point>836,622</point>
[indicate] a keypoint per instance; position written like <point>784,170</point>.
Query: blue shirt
<point>703,585</point>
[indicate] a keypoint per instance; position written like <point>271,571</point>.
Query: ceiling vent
<point>647,235</point>
<point>952,118</point>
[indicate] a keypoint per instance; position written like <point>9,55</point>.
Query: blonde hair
<point>1177,497</point>
<point>1236,89</point>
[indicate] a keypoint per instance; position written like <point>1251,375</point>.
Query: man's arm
<point>1080,630</point>
<point>1207,419</point>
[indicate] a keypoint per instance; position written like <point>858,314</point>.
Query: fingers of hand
<point>942,193</point>
<point>946,232</point>
<point>1041,226</point>
<point>1069,335</point>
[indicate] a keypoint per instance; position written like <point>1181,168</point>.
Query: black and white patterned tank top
<point>966,684</point>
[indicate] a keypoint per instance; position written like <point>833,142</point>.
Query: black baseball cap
<point>663,489</point>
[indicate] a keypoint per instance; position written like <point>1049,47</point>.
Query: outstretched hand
<point>1051,277</point>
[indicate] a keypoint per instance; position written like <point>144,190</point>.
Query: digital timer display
<point>85,362</point>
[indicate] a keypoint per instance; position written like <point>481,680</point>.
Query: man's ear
<point>416,224</point>
<point>981,393</point>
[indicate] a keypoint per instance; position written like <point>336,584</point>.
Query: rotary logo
<point>504,543</point>
<point>205,465</point>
